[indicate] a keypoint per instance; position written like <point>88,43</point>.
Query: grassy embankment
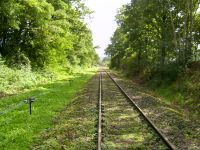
<point>17,127</point>
<point>184,92</point>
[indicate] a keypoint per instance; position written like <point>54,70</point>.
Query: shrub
<point>13,80</point>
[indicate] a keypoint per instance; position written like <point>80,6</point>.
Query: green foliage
<point>156,39</point>
<point>45,34</point>
<point>183,91</point>
<point>158,42</point>
<point>105,62</point>
<point>14,80</point>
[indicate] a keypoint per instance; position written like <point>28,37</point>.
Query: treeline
<point>45,34</point>
<point>156,38</point>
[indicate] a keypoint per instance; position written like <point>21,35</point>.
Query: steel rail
<point>100,114</point>
<point>162,136</point>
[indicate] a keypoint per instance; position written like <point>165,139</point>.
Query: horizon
<point>103,22</point>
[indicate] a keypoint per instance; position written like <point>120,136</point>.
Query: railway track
<point>121,123</point>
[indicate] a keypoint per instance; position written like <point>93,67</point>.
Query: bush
<point>13,80</point>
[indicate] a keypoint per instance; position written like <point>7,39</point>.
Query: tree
<point>155,36</point>
<point>45,33</point>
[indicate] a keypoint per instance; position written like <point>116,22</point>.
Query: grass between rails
<point>18,128</point>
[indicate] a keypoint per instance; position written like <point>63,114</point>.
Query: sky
<point>103,22</point>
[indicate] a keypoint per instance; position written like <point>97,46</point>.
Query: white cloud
<point>103,23</point>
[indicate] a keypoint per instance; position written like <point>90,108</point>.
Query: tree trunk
<point>163,44</point>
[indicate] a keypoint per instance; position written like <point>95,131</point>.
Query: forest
<point>43,36</point>
<point>159,43</point>
<point>154,36</point>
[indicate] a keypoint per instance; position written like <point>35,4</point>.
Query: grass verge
<point>18,128</point>
<point>75,127</point>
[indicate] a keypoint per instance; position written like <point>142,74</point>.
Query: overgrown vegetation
<point>184,91</point>
<point>41,40</point>
<point>158,41</point>
<point>15,80</point>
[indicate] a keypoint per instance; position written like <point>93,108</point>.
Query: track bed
<point>123,127</point>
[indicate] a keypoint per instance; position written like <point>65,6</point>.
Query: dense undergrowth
<point>15,80</point>
<point>181,89</point>
<point>184,91</point>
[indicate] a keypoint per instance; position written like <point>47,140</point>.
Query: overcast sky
<point>103,23</point>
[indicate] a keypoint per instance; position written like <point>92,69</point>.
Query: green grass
<point>170,94</point>
<point>75,127</point>
<point>18,128</point>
